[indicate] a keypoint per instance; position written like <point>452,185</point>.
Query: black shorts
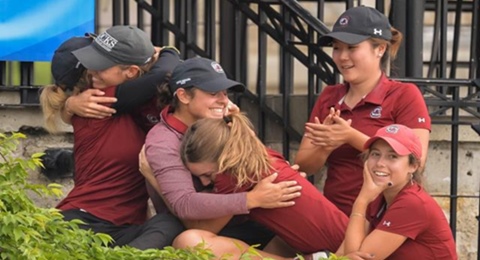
<point>157,232</point>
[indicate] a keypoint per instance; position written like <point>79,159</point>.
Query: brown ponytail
<point>392,47</point>
<point>166,97</point>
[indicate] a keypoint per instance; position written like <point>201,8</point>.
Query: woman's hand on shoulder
<point>267,194</point>
<point>89,104</point>
<point>143,165</point>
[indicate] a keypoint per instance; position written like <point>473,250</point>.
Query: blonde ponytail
<point>52,101</point>
<point>244,155</point>
<point>229,142</point>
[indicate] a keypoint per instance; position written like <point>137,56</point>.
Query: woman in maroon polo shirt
<point>227,153</point>
<point>404,222</point>
<point>109,194</point>
<point>345,115</point>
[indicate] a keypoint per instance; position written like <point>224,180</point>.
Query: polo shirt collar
<point>172,121</point>
<point>376,96</point>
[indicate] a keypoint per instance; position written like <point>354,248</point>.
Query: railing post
<point>117,12</point>
<point>407,17</point>
<point>233,41</point>
<point>160,35</point>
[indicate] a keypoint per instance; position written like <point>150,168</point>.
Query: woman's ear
<point>382,48</point>
<point>132,72</point>
<point>183,96</point>
<point>413,168</point>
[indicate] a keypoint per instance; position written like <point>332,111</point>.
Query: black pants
<point>157,232</point>
<point>249,232</point>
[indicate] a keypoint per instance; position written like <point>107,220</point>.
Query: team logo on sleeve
<point>386,223</point>
<point>376,112</point>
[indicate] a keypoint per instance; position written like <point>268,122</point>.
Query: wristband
<point>70,113</point>
<point>170,48</point>
<point>355,214</point>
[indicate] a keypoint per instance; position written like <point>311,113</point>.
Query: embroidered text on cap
<point>106,41</point>
<point>183,81</point>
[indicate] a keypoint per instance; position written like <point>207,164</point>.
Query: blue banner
<point>31,30</point>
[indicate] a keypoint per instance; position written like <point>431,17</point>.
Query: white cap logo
<point>393,129</point>
<point>377,31</point>
<point>106,41</point>
<point>216,67</point>
<point>343,21</point>
<point>183,81</point>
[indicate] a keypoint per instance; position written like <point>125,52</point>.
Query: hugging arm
<point>178,191</point>
<point>129,95</point>
<point>137,92</point>
<point>213,225</point>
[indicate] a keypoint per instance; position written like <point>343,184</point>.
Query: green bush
<point>30,232</point>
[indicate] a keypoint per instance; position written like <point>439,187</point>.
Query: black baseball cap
<point>66,69</point>
<point>358,24</point>
<point>204,74</point>
<point>119,45</point>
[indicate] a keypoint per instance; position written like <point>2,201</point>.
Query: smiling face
<point>205,171</point>
<point>386,165</point>
<point>357,62</point>
<point>208,105</point>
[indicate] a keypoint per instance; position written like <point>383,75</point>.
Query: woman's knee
<point>191,238</point>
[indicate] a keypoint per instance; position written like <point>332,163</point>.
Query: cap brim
<point>92,59</point>
<point>348,38</point>
<point>220,84</point>
<point>399,148</point>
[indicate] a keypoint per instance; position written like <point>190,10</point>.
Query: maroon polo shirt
<point>417,216</point>
<point>311,225</point>
<point>107,181</point>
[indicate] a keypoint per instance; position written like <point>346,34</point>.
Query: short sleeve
<point>406,216</point>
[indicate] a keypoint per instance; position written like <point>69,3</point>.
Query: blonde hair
<point>392,47</point>
<point>229,142</point>
<point>53,99</point>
